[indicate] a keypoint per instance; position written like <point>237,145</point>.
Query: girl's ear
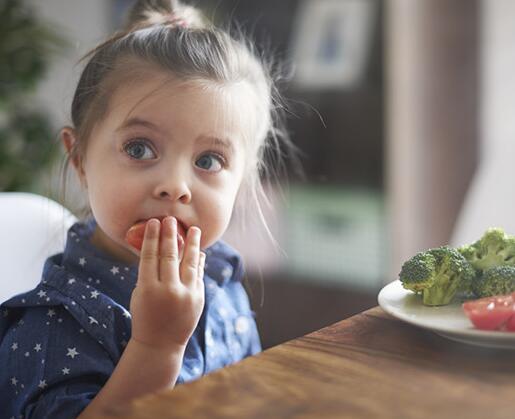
<point>69,138</point>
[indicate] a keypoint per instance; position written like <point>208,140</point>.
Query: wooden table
<point>368,366</point>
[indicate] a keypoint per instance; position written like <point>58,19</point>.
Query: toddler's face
<point>164,149</point>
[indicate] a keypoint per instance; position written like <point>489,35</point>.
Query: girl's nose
<point>174,191</point>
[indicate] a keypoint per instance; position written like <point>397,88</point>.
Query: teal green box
<point>336,235</point>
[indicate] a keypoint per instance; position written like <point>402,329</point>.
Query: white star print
<point>94,294</point>
<point>50,313</point>
<point>126,314</point>
<point>209,338</point>
<point>115,270</point>
<point>82,261</point>
<point>71,280</point>
<point>227,272</point>
<point>66,371</point>
<point>42,384</point>
<point>92,320</point>
<point>37,348</point>
<point>27,354</point>
<point>14,381</point>
<point>72,353</point>
<point>242,325</point>
<point>14,346</point>
<point>41,293</point>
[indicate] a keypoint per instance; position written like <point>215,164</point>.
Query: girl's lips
<point>136,233</point>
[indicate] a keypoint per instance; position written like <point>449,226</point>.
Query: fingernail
<point>152,224</point>
<point>196,232</point>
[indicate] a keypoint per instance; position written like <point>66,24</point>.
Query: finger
<point>169,251</point>
<point>201,265</point>
<point>148,269</point>
<point>181,247</point>
<point>190,261</point>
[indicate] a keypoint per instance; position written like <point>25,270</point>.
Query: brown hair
<point>175,37</point>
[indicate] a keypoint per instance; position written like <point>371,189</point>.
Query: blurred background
<point>402,111</point>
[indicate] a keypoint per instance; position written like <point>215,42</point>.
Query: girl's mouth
<point>136,233</point>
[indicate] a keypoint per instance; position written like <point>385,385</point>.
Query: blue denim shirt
<point>60,342</point>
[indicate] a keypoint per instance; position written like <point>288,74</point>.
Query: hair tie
<point>173,19</point>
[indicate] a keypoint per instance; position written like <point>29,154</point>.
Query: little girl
<point>170,123</point>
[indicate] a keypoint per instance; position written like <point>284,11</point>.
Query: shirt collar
<point>81,258</point>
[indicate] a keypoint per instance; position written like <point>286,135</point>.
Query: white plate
<point>448,321</point>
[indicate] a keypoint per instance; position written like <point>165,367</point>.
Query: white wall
<point>491,198</point>
<point>83,24</point>
<point>431,57</point>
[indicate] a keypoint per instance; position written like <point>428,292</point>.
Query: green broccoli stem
<point>437,296</point>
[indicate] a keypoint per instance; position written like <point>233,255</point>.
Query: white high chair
<point>32,228</point>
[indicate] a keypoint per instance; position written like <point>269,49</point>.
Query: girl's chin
<point>118,250</point>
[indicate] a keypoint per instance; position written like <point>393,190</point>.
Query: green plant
<point>26,133</point>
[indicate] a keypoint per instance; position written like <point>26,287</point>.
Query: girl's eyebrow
<point>226,144</point>
<point>135,121</point>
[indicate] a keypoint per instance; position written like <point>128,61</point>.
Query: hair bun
<point>164,12</point>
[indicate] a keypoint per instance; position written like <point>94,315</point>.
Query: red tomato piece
<point>510,324</point>
<point>490,313</point>
<point>135,235</point>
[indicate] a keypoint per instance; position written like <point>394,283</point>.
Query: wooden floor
<point>287,308</point>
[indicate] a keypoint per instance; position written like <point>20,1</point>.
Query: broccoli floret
<point>495,248</point>
<point>499,280</point>
<point>437,274</point>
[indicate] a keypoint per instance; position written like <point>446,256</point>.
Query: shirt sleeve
<point>244,328</point>
<point>55,367</point>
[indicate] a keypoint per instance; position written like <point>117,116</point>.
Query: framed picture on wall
<point>331,42</point>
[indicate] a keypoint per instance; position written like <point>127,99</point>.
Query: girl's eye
<point>139,150</point>
<point>210,162</point>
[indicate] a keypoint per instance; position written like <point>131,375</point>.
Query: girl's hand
<point>169,296</point>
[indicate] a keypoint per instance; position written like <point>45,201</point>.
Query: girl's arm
<point>166,306</point>
<point>142,369</point>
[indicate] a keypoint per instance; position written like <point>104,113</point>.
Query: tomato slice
<point>510,324</point>
<point>135,235</point>
<point>491,313</point>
